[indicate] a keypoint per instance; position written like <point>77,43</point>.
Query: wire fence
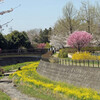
<point>70,62</point>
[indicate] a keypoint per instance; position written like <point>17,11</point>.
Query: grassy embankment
<point>3,96</point>
<point>31,83</point>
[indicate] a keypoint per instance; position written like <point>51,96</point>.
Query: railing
<point>22,51</point>
<point>69,62</point>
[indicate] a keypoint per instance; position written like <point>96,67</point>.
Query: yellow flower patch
<point>84,56</point>
<point>25,76</point>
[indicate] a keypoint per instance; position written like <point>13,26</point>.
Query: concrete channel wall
<point>13,60</point>
<point>79,76</point>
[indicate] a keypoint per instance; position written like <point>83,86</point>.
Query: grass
<point>15,66</point>
<point>3,96</point>
<point>39,93</point>
<point>31,83</point>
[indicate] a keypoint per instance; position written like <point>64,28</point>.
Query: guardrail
<point>22,51</point>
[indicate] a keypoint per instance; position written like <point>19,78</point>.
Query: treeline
<point>14,40</point>
<point>30,39</point>
<point>39,36</point>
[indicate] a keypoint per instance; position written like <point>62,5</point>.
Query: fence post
<point>98,63</point>
<point>93,63</point>
<point>64,61</point>
<point>88,63</point>
<point>69,61</point>
<point>59,60</point>
<point>76,62</point>
<point>84,63</point>
<point>72,62</point>
<point>80,63</point>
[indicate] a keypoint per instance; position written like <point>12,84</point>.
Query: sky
<point>34,13</point>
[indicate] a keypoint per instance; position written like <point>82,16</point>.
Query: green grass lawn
<point>15,66</point>
<point>3,96</point>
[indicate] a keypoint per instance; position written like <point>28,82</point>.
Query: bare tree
<point>87,14</point>
<point>33,34</point>
<point>69,13</point>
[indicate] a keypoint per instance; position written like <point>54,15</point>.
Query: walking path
<point>9,88</point>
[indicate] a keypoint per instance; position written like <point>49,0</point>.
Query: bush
<point>53,60</point>
<point>89,49</point>
<point>47,56</point>
<point>47,46</point>
<point>84,56</point>
<point>63,53</point>
<point>1,71</point>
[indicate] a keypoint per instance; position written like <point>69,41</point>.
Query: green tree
<point>44,35</point>
<point>3,42</point>
<point>17,39</point>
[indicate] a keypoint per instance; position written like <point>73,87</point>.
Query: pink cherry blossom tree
<point>79,39</point>
<point>41,45</point>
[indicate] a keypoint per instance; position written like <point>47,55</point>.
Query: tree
<point>88,14</point>
<point>69,13</point>
<point>58,41</point>
<point>17,39</point>
<point>33,35</point>
<point>41,45</point>
<point>44,35</point>
<point>3,42</point>
<point>79,39</point>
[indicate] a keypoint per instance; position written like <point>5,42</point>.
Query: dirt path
<point>8,87</point>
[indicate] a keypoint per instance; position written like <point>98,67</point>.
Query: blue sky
<point>34,13</point>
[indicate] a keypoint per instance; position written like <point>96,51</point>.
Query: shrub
<point>47,56</point>
<point>70,50</point>
<point>84,56</point>
<point>63,53</point>
<point>89,49</point>
<point>53,60</point>
<point>47,46</point>
<point>1,71</point>
<point>41,45</point>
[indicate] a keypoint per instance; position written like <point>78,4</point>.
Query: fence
<point>69,62</point>
<point>23,51</point>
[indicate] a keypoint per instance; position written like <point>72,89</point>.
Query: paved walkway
<point>8,87</point>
